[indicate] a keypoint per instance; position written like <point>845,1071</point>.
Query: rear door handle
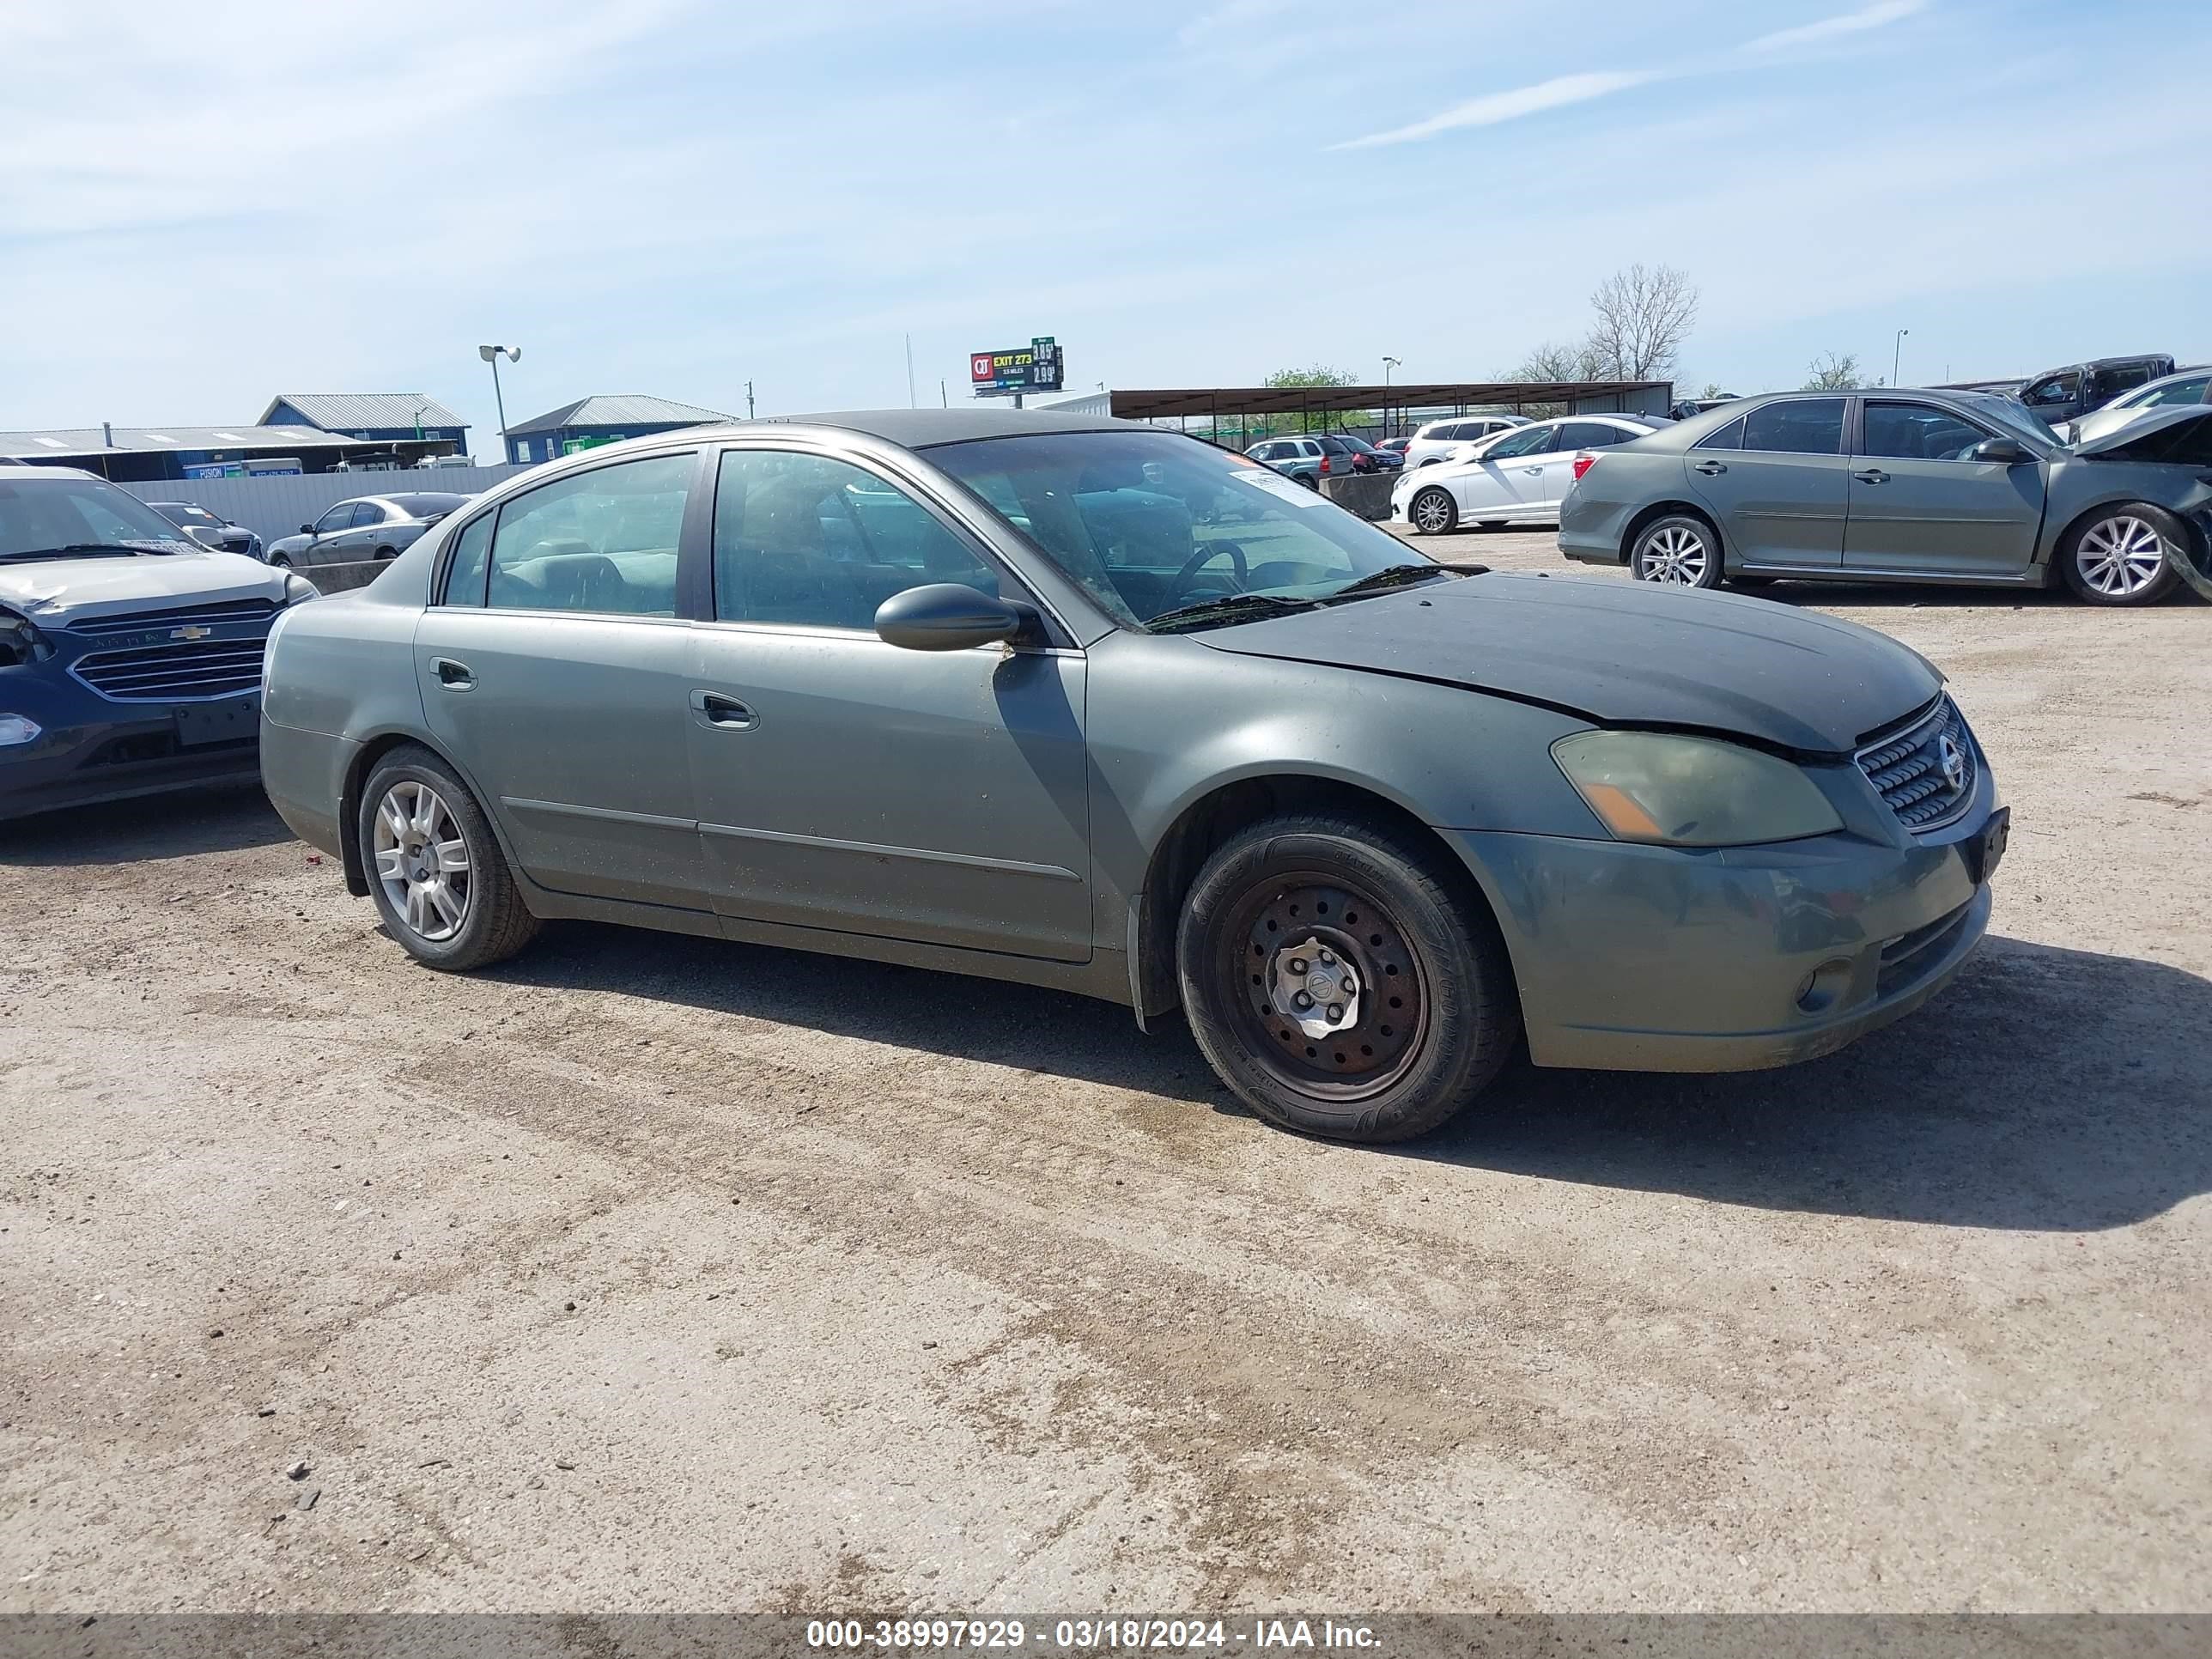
<point>1710,469</point>
<point>1872,475</point>
<point>454,676</point>
<point>723,713</point>
<point>1533,472</point>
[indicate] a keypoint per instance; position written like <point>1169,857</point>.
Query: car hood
<point>2095,433</point>
<point>1621,654</point>
<point>62,590</point>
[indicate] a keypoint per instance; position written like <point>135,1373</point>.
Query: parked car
<point>926,702</point>
<point>1371,458</point>
<point>2062,394</point>
<point>209,529</point>
<point>363,527</point>
<point>1438,440</point>
<point>1395,446</point>
<point>1309,460</point>
<point>1902,486</point>
<point>2187,385</point>
<point>1687,407</point>
<point>1518,477</point>
<point>130,656</point>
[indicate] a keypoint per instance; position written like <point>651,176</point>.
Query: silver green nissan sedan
<point>1100,707</point>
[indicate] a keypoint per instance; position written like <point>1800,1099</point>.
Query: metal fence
<point>277,506</point>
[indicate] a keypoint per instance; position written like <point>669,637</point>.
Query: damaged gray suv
<point>1098,707</point>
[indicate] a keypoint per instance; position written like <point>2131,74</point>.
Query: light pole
<point>1897,355</point>
<point>1388,363</point>
<point>490,355</point>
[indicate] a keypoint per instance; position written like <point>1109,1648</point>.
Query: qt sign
<point>1035,367</point>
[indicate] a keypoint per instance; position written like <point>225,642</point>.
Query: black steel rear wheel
<point>1343,981</point>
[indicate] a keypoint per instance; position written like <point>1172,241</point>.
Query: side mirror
<point>947,616</point>
<point>306,530</point>
<point>2004,452</point>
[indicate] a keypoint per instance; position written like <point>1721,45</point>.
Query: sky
<point>203,204</point>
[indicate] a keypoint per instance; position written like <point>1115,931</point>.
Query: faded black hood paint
<point>1621,654</point>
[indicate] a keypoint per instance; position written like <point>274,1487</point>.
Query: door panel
<point>1919,506</point>
<point>576,728</point>
<point>1782,497</point>
<point>940,797</point>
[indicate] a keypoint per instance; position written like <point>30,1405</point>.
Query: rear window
<point>1803,426</point>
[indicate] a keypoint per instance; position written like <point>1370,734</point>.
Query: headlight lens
<point>16,728</point>
<point>298,588</point>
<point>1692,792</point>
<point>20,641</point>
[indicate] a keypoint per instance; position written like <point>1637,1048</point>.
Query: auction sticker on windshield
<point>1276,484</point>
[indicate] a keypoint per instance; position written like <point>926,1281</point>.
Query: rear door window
<point>1594,435</point>
<point>1799,426</point>
<point>603,541</point>
<point>1528,441</point>
<point>1727,437</point>
<point>464,572</point>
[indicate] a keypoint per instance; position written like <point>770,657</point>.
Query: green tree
<point>1319,375</point>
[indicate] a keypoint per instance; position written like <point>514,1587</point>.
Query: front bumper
<point>1651,958</point>
<point>108,753</point>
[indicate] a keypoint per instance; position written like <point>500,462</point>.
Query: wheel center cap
<point>1314,988</point>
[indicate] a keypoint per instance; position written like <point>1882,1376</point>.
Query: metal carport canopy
<point>1169,403</point>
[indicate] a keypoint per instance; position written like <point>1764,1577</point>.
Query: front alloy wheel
<point>1678,551</point>
<point>434,868</point>
<point>2121,558</point>
<point>1434,512</point>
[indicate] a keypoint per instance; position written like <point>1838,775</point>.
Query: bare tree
<point>1644,315</point>
<point>1834,371</point>
<point>1552,362</point>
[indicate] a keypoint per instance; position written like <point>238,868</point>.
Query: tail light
<point>1584,463</point>
<point>1324,467</point>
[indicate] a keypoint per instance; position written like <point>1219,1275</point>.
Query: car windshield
<point>1151,523</point>
<point>43,516</point>
<point>186,515</point>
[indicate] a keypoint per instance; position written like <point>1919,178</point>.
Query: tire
<point>1680,549</point>
<point>386,552</point>
<point>1431,1012</point>
<point>492,921</point>
<point>1311,480</point>
<point>280,561</point>
<point>1432,512</point>
<point>2105,558</point>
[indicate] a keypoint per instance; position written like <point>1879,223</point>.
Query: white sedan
<point>1517,477</point>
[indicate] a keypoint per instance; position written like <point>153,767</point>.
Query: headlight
<point>1692,792</point>
<point>16,728</point>
<point>20,642</point>
<point>298,589</point>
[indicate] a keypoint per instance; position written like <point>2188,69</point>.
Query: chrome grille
<point>200,616</point>
<point>1908,769</point>
<point>173,674</point>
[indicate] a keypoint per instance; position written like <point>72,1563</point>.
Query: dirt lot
<point>655,1273</point>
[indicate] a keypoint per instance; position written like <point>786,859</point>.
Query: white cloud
<point>1492,108</point>
<point>1883,13</point>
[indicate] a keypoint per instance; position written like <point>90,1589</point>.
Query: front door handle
<point>1533,472</point>
<point>454,676</point>
<point>1872,475</point>
<point>723,713</point>
<point>1710,469</point>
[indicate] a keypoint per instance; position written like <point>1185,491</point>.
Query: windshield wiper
<point>80,549</point>
<point>1227,608</point>
<point>1391,575</point>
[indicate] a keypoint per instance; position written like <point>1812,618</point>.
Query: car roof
<point>923,428</point>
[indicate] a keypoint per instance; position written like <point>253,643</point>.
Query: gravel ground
<point>650,1272</point>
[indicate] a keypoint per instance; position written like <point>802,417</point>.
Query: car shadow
<point>2046,1089</point>
<point>219,818</point>
<point>1925,597</point>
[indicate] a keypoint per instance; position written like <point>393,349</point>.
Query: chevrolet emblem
<point>194,631</point>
